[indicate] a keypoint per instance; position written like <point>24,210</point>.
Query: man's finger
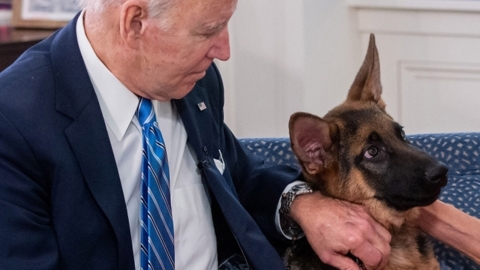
<point>371,257</point>
<point>341,262</point>
<point>384,233</point>
<point>382,243</point>
<point>374,250</point>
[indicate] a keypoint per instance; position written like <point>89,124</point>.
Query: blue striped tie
<point>156,236</point>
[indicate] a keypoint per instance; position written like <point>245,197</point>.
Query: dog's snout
<point>437,174</point>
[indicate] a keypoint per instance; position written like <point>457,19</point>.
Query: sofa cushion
<point>461,153</point>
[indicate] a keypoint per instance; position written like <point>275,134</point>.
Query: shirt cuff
<point>286,233</point>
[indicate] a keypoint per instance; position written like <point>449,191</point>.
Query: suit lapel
<point>88,137</point>
<point>198,123</point>
<point>201,136</point>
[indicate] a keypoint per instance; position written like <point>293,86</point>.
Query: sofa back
<point>459,151</point>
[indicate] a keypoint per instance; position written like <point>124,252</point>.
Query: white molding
<point>420,22</point>
<point>431,5</point>
<point>430,56</point>
<point>438,96</point>
<point>443,70</point>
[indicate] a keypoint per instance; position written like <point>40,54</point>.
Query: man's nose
<point>221,47</point>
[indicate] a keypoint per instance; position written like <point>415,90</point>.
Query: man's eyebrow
<point>213,27</point>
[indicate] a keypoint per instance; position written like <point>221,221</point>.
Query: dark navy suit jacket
<point>61,200</point>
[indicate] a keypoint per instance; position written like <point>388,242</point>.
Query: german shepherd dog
<point>358,153</point>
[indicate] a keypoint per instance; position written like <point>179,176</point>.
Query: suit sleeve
<point>27,237</point>
<point>259,186</point>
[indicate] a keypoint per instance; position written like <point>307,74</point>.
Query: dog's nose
<point>437,174</point>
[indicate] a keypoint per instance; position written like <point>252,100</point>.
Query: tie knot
<point>145,111</point>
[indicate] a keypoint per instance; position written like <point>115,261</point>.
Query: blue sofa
<point>459,151</point>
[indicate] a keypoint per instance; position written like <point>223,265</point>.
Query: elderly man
<point>114,154</point>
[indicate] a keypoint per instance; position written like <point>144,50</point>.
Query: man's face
<point>174,59</point>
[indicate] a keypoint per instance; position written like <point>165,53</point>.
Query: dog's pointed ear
<point>310,139</point>
<point>367,85</point>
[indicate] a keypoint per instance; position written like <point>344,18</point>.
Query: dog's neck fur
<point>389,218</point>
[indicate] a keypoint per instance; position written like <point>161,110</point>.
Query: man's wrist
<point>287,223</point>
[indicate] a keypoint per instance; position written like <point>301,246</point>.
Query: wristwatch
<point>286,221</point>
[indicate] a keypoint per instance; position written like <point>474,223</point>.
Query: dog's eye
<point>371,152</point>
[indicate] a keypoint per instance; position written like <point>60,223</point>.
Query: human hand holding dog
<point>335,228</point>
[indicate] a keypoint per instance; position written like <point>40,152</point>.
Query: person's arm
<point>27,237</point>
<point>453,227</point>
<point>334,228</point>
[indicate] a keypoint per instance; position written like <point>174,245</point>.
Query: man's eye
<point>210,34</point>
<point>205,34</point>
<point>371,152</point>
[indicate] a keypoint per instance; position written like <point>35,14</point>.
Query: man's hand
<point>334,228</point>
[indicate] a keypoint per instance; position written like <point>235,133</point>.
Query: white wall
<point>302,55</point>
<point>287,56</point>
<point>265,74</point>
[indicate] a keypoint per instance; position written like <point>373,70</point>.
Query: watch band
<point>286,221</point>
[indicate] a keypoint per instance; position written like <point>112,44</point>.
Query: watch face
<point>302,187</point>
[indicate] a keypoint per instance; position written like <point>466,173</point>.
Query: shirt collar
<point>118,104</point>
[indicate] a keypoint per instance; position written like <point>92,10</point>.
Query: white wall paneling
<point>303,55</point>
<point>430,59</point>
<point>439,97</point>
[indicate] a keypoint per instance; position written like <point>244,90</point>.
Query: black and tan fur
<point>358,153</point>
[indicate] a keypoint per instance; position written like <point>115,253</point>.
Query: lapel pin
<point>202,106</point>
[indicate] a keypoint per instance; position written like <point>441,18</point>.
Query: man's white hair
<point>156,8</point>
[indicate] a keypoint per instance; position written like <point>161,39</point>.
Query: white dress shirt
<point>195,241</point>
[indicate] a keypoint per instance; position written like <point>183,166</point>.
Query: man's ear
<point>133,15</point>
